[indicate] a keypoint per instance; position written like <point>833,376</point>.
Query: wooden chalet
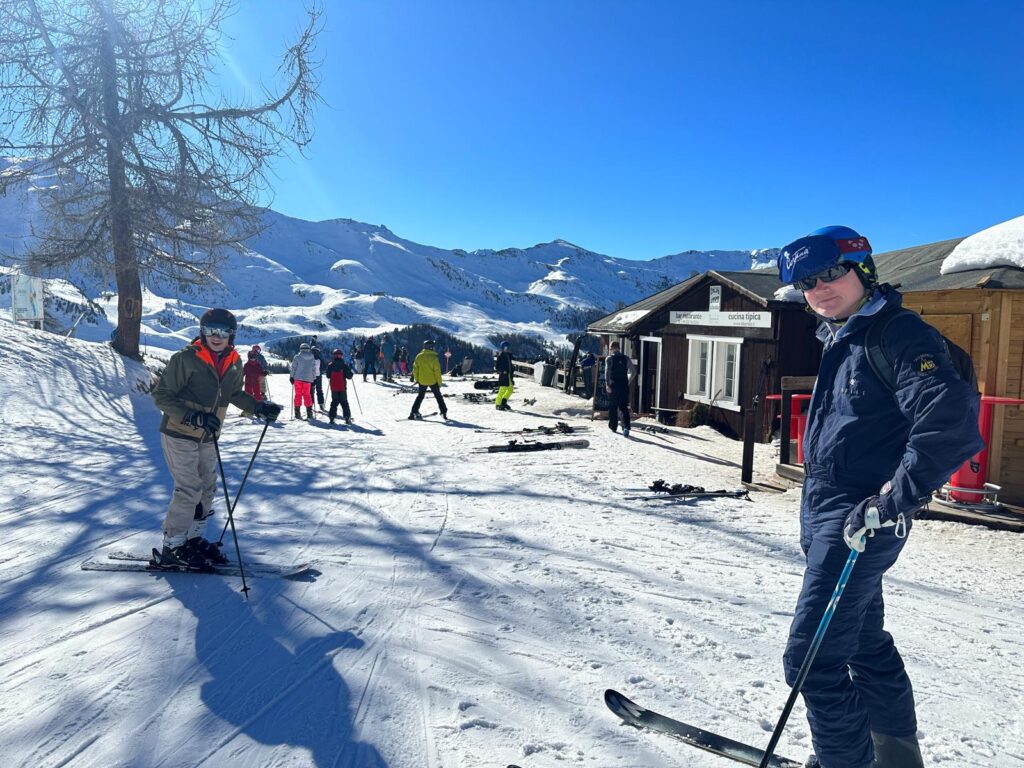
<point>705,347</point>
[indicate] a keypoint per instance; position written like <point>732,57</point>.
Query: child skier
<point>193,393</point>
<point>303,373</point>
<point>338,374</point>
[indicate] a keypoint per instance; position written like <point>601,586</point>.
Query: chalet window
<point>713,371</point>
<point>699,367</point>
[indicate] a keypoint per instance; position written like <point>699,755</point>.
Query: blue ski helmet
<point>824,248</point>
<point>504,345</point>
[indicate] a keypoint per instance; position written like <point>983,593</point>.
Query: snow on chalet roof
<point>998,246</point>
<point>628,317</point>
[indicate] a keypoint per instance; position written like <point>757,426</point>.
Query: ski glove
<point>866,518</point>
<point>268,411</point>
<point>208,422</point>
<point>291,380</point>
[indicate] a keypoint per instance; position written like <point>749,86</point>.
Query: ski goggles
<point>826,276</point>
<point>218,331</point>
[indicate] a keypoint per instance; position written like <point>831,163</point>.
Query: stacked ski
<point>662,491</point>
<point>515,446</point>
<point>633,714</point>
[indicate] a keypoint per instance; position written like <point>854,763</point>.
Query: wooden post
<point>749,422</point>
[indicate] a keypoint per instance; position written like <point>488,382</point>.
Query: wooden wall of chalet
<point>990,324</point>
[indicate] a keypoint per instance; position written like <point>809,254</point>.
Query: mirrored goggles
<point>826,276</point>
<point>218,331</point>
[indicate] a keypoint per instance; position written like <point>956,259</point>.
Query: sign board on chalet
<point>714,316</point>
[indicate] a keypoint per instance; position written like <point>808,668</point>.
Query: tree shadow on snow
<point>273,691</point>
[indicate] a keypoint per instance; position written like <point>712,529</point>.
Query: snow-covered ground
<point>467,610</point>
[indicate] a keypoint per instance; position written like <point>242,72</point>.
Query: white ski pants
<point>194,470</point>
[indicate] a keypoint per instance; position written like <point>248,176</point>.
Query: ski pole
<point>245,477</point>
<point>356,393</point>
<point>805,668</point>
<point>231,519</point>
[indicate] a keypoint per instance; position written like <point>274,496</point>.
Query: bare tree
<point>152,173</point>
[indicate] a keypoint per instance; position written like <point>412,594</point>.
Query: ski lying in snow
<point>738,494</point>
<point>633,714</point>
<point>560,428</point>
<point>135,561</point>
<point>421,418</point>
<point>514,446</point>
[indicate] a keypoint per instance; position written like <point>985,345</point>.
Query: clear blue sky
<point>639,128</point>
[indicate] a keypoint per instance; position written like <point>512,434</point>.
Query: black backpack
<point>883,366</point>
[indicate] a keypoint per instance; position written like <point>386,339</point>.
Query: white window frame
<point>657,369</point>
<point>717,361</point>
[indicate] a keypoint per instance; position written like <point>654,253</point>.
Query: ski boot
<point>298,412</point>
<point>207,549</point>
<point>309,414</point>
<point>625,431</point>
<point>178,558</point>
<point>896,752</point>
<point>415,416</point>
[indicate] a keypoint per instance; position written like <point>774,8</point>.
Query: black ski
<point>421,418</point>
<point>514,446</point>
<point>135,561</point>
<point>740,494</point>
<point>633,714</point>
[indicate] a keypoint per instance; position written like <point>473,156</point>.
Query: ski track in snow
<point>466,609</point>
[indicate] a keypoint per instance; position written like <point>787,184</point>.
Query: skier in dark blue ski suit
<point>872,456</point>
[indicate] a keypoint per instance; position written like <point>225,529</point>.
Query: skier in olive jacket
<point>426,371</point>
<point>193,393</point>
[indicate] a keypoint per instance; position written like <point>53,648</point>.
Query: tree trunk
<point>126,266</point>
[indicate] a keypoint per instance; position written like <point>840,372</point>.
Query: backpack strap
<point>874,348</point>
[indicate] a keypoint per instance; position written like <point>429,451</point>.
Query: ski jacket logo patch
<point>925,364</point>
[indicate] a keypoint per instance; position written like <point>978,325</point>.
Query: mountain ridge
<point>341,275</point>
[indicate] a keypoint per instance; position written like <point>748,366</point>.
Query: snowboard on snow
<point>486,384</point>
<point>633,714</point>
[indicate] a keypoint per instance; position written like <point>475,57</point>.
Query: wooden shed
<point>982,310</point>
<point>714,341</point>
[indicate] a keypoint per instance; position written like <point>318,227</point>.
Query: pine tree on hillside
<point>147,172</point>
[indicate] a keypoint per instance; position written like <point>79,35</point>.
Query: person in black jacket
<point>370,352</point>
<point>619,373</point>
<point>321,367</point>
<point>506,378</point>
<point>338,373</point>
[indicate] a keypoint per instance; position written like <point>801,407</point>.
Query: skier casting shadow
<point>272,694</point>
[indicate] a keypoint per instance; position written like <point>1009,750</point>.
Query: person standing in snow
<point>387,350</point>
<point>264,389</point>
<point>506,378</point>
<point>403,361</point>
<point>370,352</point>
<point>872,456</point>
<point>587,372</point>
<point>193,394</point>
<point>303,372</point>
<point>252,374</point>
<point>338,374</point>
<point>426,372</point>
<point>619,374</point>
<point>316,388</point>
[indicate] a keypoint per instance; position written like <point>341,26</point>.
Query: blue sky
<point>643,128</point>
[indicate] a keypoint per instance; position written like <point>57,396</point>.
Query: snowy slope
<point>314,277</point>
<point>468,609</point>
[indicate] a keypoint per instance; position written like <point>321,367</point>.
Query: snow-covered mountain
<point>342,275</point>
